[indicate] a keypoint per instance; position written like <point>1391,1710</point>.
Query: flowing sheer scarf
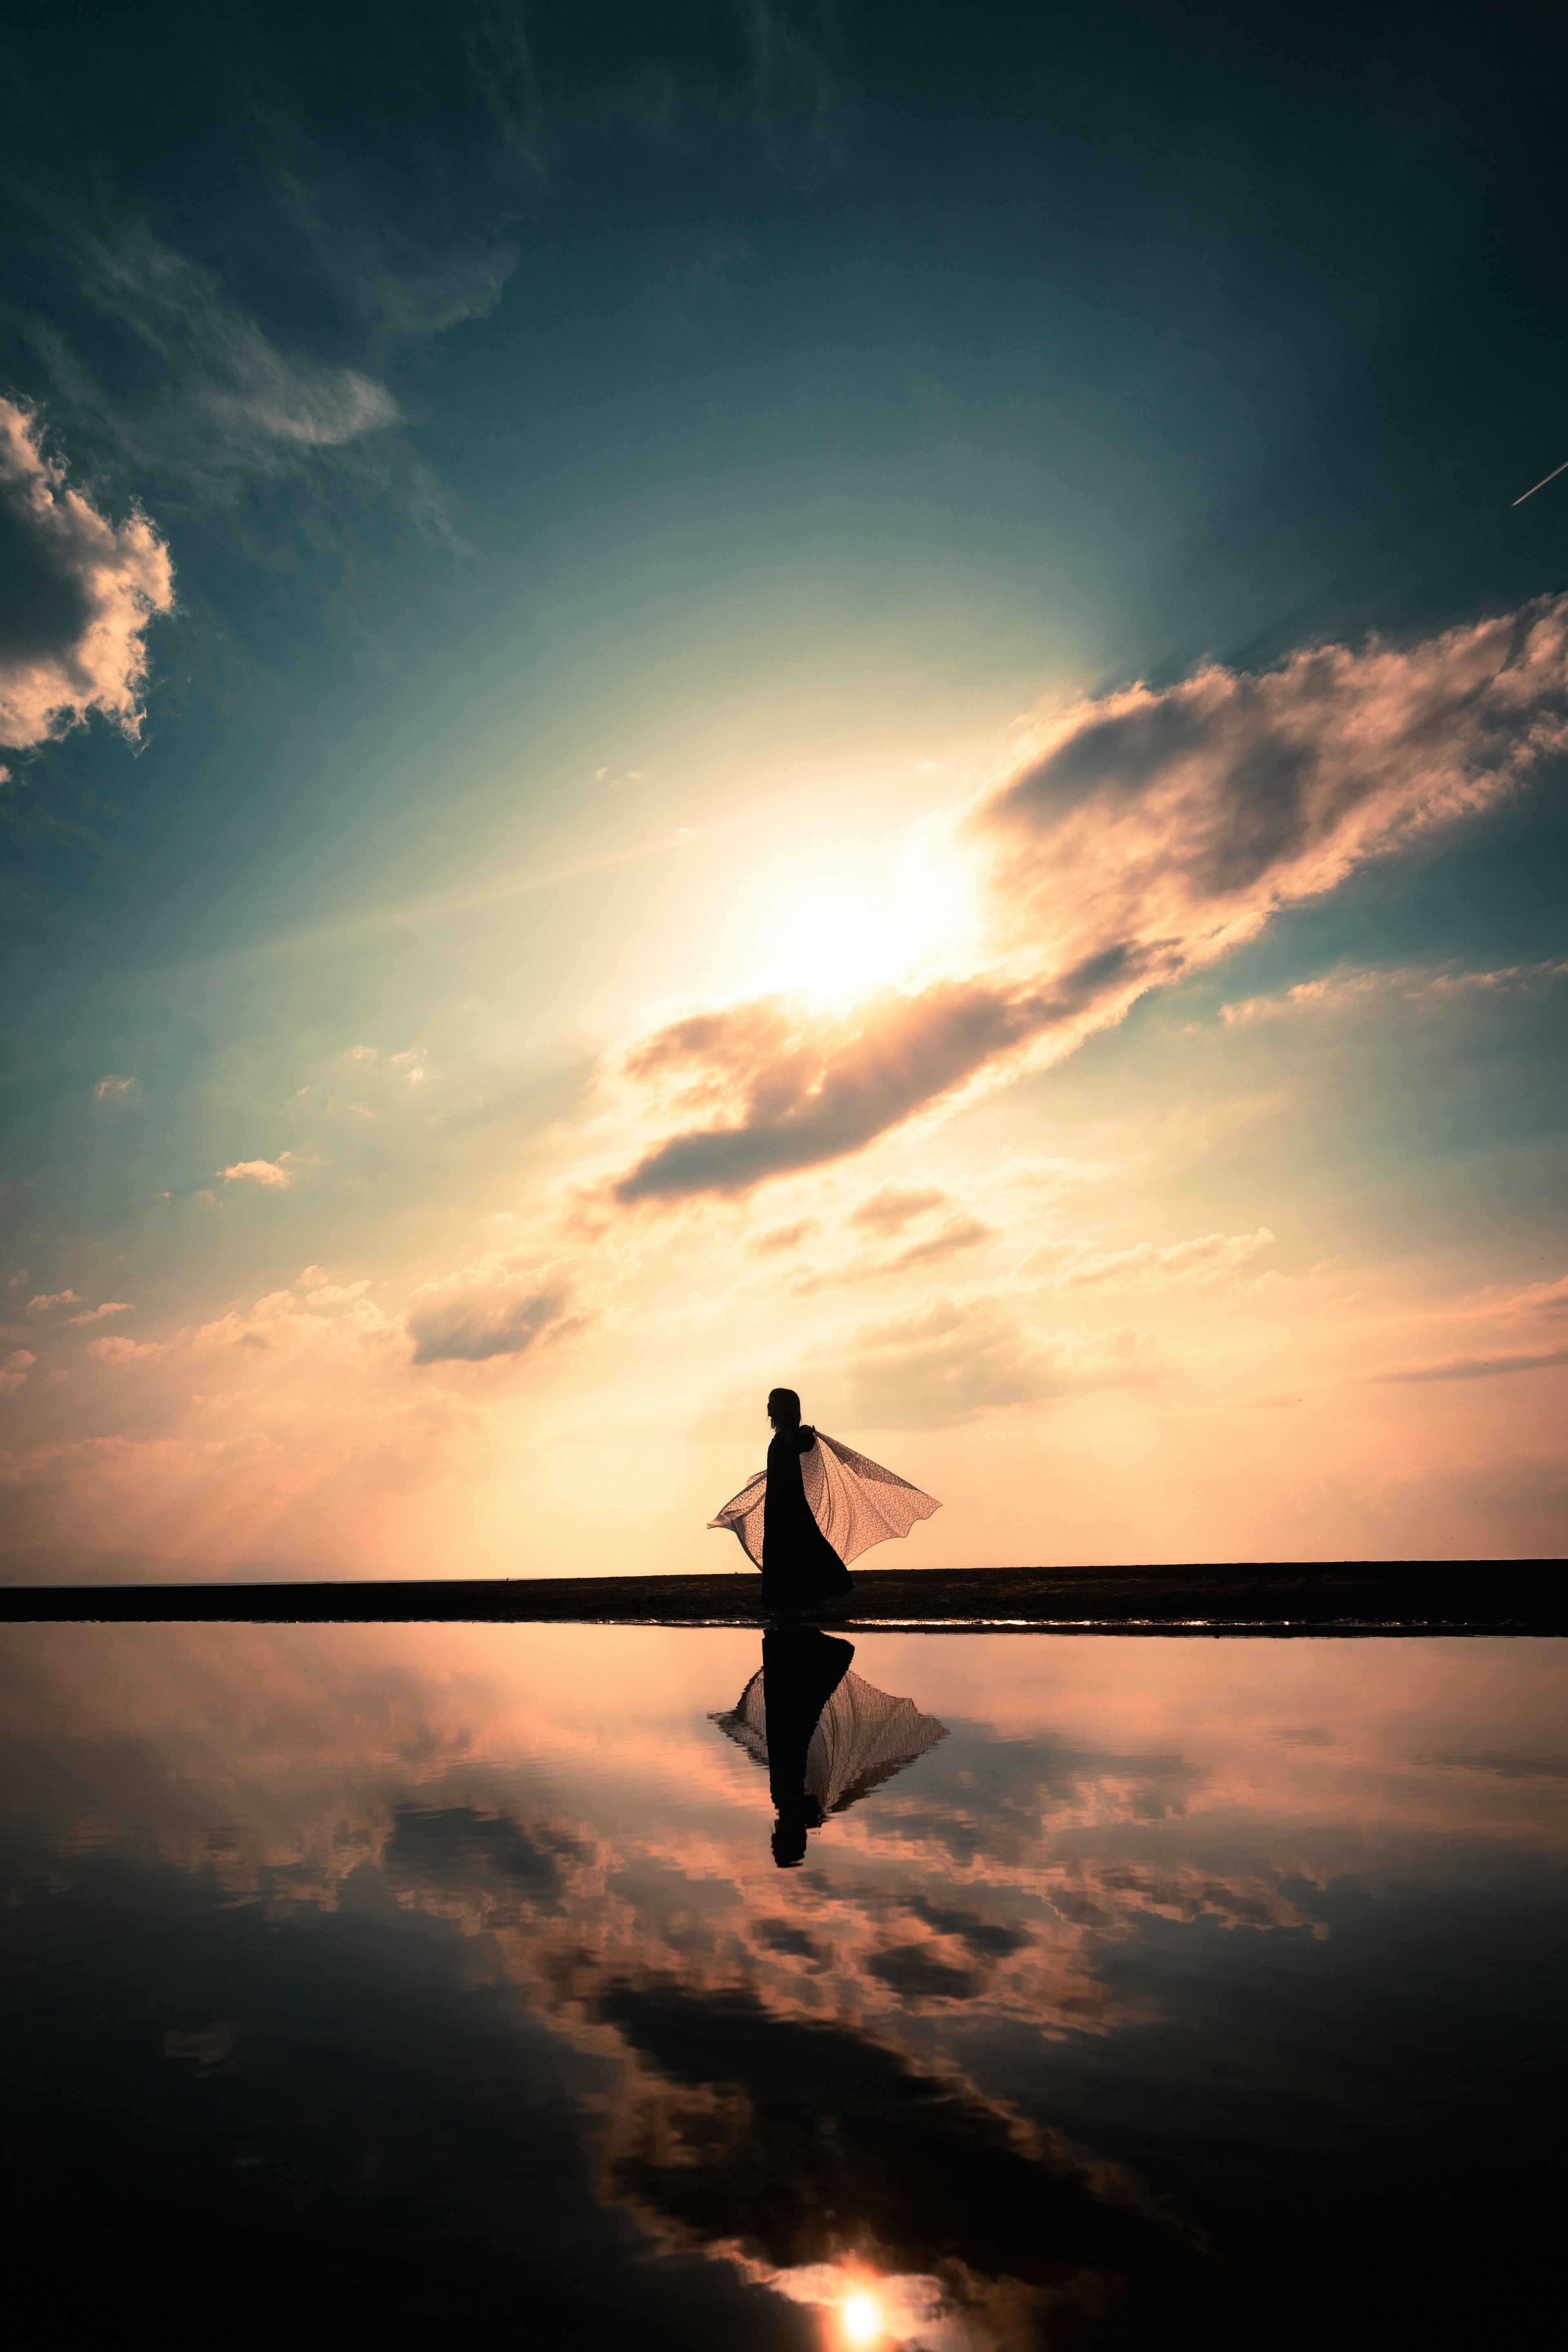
<point>855,1502</point>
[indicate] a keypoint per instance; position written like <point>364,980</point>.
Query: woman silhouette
<point>802,1531</point>
<point>800,1568</point>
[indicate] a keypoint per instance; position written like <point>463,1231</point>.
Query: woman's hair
<point>786,1397</point>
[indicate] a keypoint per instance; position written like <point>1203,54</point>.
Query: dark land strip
<point>1331,1597</point>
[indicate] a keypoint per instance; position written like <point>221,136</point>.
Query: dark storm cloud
<point>1144,836</point>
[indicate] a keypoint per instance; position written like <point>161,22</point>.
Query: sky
<point>709,695</point>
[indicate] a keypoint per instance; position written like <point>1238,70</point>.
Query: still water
<point>428,1984</point>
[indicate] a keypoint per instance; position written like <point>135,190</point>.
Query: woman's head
<point>783,1408</point>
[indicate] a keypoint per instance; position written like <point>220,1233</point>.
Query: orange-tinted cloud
<point>502,1306</point>
<point>794,1092</point>
<point>1142,837</point>
<point>954,1356</point>
<point>1068,1266</point>
<point>267,1172</point>
<point>1481,1367</point>
<point>81,590</point>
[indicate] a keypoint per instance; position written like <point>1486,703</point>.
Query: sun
<point>862,2319</point>
<point>838,947</point>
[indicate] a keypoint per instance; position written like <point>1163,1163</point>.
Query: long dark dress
<point>800,1567</point>
<point>802,1668</point>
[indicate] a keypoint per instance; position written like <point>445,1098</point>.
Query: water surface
<point>451,1981</point>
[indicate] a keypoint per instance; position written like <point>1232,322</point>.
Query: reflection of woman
<point>800,1568</point>
<point>802,1668</point>
<point>826,1737</point>
<point>815,1507</point>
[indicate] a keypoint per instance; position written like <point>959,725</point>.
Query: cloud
<point>14,1369</point>
<point>891,1206</point>
<point>1078,1265</point>
<point>267,1172</point>
<point>1539,1298</point>
<point>501,1306</point>
<point>498,1865</point>
<point>108,1086</point>
<point>1336,990</point>
<point>781,1237</point>
<point>229,403</point>
<point>118,1349</point>
<point>955,1356</point>
<point>959,1232</point>
<point>77,593</point>
<point>46,1299</point>
<point>110,1307</point>
<point>1183,819</point>
<point>798,2143</point>
<point>276,1325</point>
<point>796,1092</point>
<point>1478,1368</point>
<point>1138,836</point>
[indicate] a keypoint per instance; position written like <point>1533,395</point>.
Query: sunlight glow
<point>842,947</point>
<point>862,2319</point>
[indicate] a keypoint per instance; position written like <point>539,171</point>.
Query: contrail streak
<point>1541,485</point>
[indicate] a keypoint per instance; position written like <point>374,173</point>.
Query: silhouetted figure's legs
<point>802,1668</point>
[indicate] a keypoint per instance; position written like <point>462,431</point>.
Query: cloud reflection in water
<point>1099,2011</point>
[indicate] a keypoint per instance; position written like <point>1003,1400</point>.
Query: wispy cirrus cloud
<point>893,1206</point>
<point>1140,836</point>
<point>205,396</point>
<point>1067,1266</point>
<point>1477,1367</point>
<point>1538,1298</point>
<point>1337,991</point>
<point>78,591</point>
<point>910,1226</point>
